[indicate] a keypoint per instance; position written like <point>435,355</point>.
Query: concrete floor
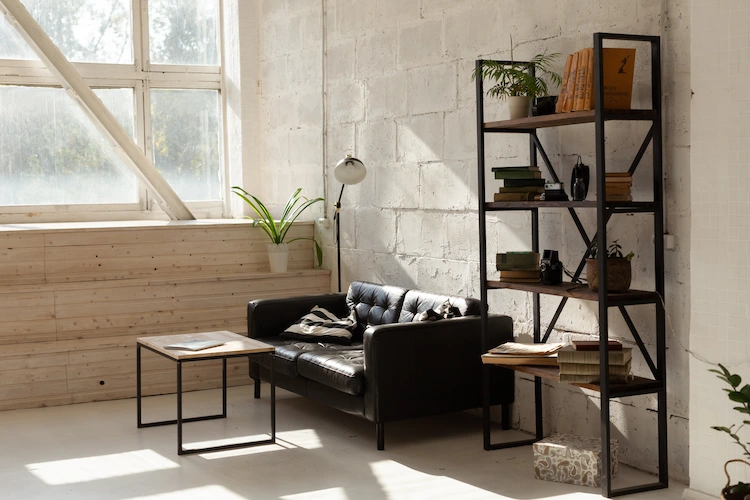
<point>94,451</point>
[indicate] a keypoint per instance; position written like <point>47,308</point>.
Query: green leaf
<point>738,397</point>
<point>735,380</point>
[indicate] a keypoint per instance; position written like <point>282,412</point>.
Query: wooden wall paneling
<point>68,327</point>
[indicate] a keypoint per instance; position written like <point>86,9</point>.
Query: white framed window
<point>156,65</point>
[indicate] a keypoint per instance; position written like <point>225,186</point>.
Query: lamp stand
<point>337,219</point>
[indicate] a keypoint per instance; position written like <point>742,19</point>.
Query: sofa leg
<point>381,436</point>
<point>257,387</point>
<point>505,418</point>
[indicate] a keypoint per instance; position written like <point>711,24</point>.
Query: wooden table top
<point>233,344</point>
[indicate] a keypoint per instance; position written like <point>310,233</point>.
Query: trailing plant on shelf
<point>619,273</point>
<point>514,80</point>
<point>739,395</point>
<point>277,230</point>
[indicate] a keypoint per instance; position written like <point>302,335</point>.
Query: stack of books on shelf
<point>514,353</point>
<point>579,364</point>
<point>519,183</point>
<point>617,185</point>
<point>577,89</point>
<point>518,267</point>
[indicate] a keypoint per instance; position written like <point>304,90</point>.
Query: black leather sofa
<point>395,368</point>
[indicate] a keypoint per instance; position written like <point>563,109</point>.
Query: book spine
<point>589,369</point>
<point>563,88</point>
<point>518,174</point>
<point>592,357</point>
<point>513,196</point>
<point>588,102</point>
<point>582,74</point>
<point>515,169</point>
<point>520,259</point>
<point>588,379</point>
<point>521,189</point>
<point>523,182</point>
<point>570,89</point>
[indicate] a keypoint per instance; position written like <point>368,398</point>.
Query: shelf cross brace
<point>654,371</point>
<point>642,151</point>
<point>545,158</point>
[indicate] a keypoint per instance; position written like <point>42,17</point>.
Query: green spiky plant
<point>277,230</point>
<point>514,79</point>
<point>739,395</point>
<point>613,252</point>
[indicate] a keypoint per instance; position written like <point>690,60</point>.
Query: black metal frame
<point>604,212</point>
<point>180,420</point>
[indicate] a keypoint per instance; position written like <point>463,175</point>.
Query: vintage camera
<point>551,269</point>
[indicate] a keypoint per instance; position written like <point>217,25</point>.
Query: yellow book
<point>588,101</point>
<point>618,77</point>
<point>570,89</point>
<point>581,76</point>
<point>564,86</point>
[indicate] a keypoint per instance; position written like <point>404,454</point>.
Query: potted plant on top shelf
<point>278,249</point>
<point>618,268</point>
<point>739,491</point>
<point>514,82</point>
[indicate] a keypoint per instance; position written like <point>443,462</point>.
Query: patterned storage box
<point>572,459</point>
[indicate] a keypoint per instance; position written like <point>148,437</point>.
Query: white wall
<point>400,97</point>
<point>720,232</point>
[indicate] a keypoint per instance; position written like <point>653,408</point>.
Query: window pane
<point>51,153</point>
<point>12,45</point>
<point>186,135</point>
<point>87,30</point>
<point>184,31</point>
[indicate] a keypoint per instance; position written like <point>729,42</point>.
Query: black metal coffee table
<point>234,346</point>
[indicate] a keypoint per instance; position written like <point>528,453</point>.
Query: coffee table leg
<point>273,399</point>
<point>138,382</point>
<point>180,451</point>
<point>224,387</point>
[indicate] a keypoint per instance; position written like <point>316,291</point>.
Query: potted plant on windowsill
<point>618,268</point>
<point>515,83</point>
<point>739,491</point>
<point>278,249</point>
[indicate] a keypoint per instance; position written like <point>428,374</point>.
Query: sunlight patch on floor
<point>399,481</point>
<point>304,438</point>
<point>329,494</point>
<point>212,492</point>
<point>79,470</point>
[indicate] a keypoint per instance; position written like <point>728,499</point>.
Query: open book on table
<point>194,345</point>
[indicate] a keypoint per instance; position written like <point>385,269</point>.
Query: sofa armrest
<point>425,368</point>
<point>270,317</point>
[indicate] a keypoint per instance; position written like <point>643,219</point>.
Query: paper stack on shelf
<point>514,353</point>
<point>579,364</point>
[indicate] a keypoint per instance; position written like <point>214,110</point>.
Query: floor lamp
<point>348,171</point>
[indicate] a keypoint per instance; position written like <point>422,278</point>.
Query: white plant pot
<point>518,106</point>
<point>278,257</point>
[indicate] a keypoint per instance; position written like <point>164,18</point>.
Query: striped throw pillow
<point>319,325</point>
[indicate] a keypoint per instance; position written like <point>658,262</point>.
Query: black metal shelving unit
<point>604,211</point>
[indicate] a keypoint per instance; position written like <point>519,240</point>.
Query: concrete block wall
<point>401,98</point>
<point>720,231</point>
<point>290,90</point>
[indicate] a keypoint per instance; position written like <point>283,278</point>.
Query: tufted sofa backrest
<point>417,302</point>
<point>375,304</point>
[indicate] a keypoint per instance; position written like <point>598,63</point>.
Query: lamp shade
<point>350,171</point>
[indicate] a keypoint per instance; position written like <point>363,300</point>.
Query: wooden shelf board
<point>636,206</point>
<point>560,119</point>
<point>576,291</point>
<point>638,385</point>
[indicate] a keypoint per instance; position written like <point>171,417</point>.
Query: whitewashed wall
<point>400,97</point>
<point>720,232</point>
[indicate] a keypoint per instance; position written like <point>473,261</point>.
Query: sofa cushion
<point>319,325</point>
<point>343,370</point>
<point>288,352</point>
<point>417,302</point>
<point>374,304</point>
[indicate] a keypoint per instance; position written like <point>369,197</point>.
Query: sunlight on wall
<point>79,470</point>
<point>329,494</point>
<point>213,491</point>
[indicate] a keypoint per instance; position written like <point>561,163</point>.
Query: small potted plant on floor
<point>618,268</point>
<point>515,83</point>
<point>278,249</point>
<point>739,491</point>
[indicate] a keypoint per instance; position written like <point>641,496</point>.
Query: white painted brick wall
<point>720,231</point>
<point>401,97</point>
